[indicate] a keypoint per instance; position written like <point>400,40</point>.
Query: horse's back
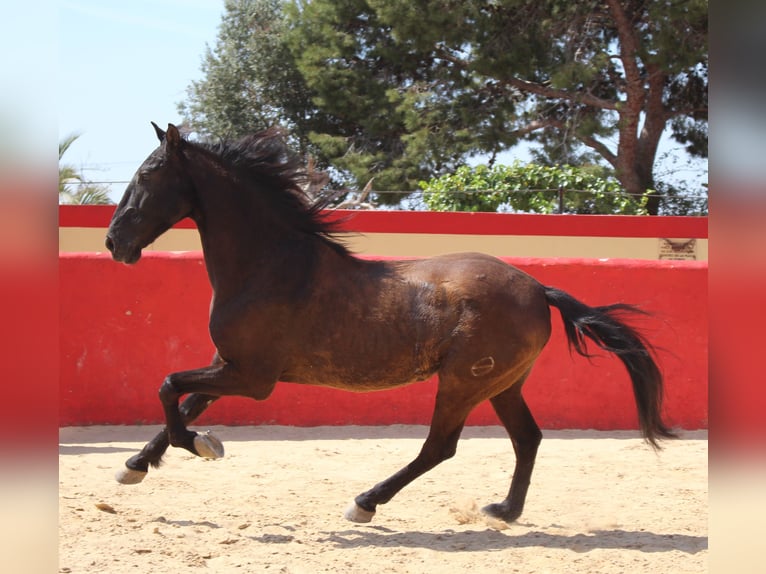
<point>482,278</point>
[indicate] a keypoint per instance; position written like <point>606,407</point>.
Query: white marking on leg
<point>129,476</point>
<point>356,513</point>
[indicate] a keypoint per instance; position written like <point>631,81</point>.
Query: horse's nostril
<point>109,243</point>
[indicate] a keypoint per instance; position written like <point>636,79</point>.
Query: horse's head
<point>159,195</point>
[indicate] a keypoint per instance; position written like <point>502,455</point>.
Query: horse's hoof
<point>501,512</point>
<point>356,513</point>
<point>129,476</point>
<point>207,445</point>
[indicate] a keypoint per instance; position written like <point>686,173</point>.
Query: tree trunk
<point>636,178</point>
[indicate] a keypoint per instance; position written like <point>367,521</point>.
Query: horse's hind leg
<point>525,436</point>
<point>137,465</point>
<point>441,444</point>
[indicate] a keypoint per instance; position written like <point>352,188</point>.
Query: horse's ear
<point>173,137</point>
<point>160,133</point>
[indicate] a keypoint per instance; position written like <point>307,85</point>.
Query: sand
<point>599,502</point>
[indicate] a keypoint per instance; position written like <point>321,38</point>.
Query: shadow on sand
<point>490,539</point>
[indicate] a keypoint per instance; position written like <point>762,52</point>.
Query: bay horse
<point>291,303</point>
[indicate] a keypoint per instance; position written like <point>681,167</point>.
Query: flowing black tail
<point>603,326</point>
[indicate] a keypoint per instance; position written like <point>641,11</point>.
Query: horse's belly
<point>360,376</point>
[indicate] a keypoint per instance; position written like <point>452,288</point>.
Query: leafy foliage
<point>380,113</point>
<point>73,188</point>
<point>406,90</point>
<point>250,80</point>
<point>676,201</point>
<point>530,188</point>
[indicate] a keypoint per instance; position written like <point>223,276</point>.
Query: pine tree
<point>406,90</point>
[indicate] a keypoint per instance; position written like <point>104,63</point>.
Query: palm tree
<point>85,192</point>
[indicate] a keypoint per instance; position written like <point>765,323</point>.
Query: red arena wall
<point>425,233</point>
<point>124,328</point>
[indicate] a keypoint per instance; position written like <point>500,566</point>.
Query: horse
<point>292,304</point>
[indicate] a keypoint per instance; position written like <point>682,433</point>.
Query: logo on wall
<point>678,249</point>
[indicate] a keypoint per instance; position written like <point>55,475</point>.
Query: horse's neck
<point>241,241</point>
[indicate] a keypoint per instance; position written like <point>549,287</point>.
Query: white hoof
<point>207,445</point>
<point>356,513</point>
<point>129,476</point>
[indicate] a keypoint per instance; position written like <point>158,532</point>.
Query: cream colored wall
<point>72,239</point>
<point>423,244</point>
<point>513,245</point>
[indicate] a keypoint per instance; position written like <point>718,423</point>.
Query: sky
<point>121,65</point>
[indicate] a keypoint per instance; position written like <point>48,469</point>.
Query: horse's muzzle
<point>128,254</point>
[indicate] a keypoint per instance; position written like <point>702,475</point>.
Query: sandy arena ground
<point>599,502</point>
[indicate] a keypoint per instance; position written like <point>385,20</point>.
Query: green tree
<point>531,188</point>
<point>404,90</point>
<point>73,188</point>
<point>67,173</point>
<point>250,79</point>
<point>390,109</point>
<point>278,63</point>
<point>572,74</point>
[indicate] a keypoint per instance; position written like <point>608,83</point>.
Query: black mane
<point>264,163</point>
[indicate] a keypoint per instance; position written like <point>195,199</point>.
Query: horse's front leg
<point>216,381</point>
<point>137,466</point>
